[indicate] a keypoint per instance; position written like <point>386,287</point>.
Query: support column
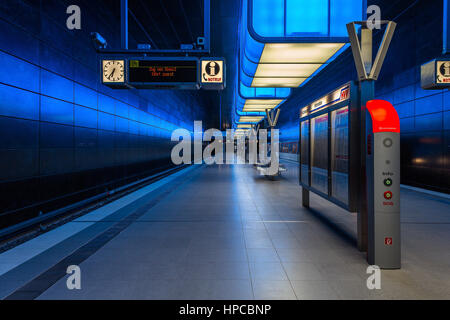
<point>367,93</point>
<point>305,198</point>
<point>446,29</point>
<point>207,24</point>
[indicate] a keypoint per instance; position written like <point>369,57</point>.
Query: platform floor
<point>223,232</point>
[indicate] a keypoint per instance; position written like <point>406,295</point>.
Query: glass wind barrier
<point>340,154</point>
<point>304,152</point>
<point>319,153</point>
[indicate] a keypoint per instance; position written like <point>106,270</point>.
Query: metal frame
<point>124,34</point>
<point>446,31</point>
<point>353,150</point>
<point>272,116</point>
<point>207,24</point>
<point>362,50</point>
<point>124,24</point>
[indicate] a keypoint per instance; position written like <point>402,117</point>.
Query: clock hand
<point>112,73</point>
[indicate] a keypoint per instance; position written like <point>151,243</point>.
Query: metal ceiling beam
<point>446,27</point>
<point>153,43</point>
<point>207,24</point>
<point>155,25</point>
<point>170,22</point>
<point>381,55</point>
<point>186,20</point>
<point>124,24</point>
<point>172,52</point>
<point>124,11</point>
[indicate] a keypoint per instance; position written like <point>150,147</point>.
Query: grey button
<point>388,142</point>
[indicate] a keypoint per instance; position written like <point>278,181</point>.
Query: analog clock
<point>113,71</point>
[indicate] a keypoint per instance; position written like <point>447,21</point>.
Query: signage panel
<point>163,72</point>
<point>335,97</point>
<point>212,73</point>
<point>435,75</point>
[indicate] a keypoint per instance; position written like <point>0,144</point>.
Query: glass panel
<point>268,18</point>
<point>247,92</point>
<point>304,152</point>
<point>306,18</point>
<point>339,154</point>
<point>265,92</point>
<point>319,153</point>
<point>283,92</point>
<point>343,12</point>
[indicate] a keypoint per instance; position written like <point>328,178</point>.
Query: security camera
<point>201,42</point>
<point>98,41</point>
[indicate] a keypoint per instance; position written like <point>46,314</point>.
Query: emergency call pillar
<point>383,184</point>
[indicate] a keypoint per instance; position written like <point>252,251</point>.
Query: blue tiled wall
<point>61,130</point>
<point>53,106</point>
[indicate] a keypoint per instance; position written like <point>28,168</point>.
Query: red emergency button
<point>388,195</point>
<point>388,241</point>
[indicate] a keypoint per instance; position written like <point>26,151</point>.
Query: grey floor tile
<point>342,271</point>
<point>267,271</point>
<point>296,255</point>
<point>356,290</point>
<point>273,290</point>
<point>302,271</point>
<point>314,290</point>
<point>231,290</point>
<point>285,242</point>
<point>216,270</point>
<point>193,289</point>
<point>256,242</point>
<point>217,255</point>
<point>262,255</point>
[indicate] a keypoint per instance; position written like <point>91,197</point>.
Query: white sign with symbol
<point>443,72</point>
<point>212,71</point>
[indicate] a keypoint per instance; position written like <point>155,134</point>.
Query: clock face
<point>113,71</point>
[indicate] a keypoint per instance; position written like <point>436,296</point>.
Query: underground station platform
<point>224,155</point>
<point>222,232</point>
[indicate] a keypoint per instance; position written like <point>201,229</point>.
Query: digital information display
<point>147,71</point>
